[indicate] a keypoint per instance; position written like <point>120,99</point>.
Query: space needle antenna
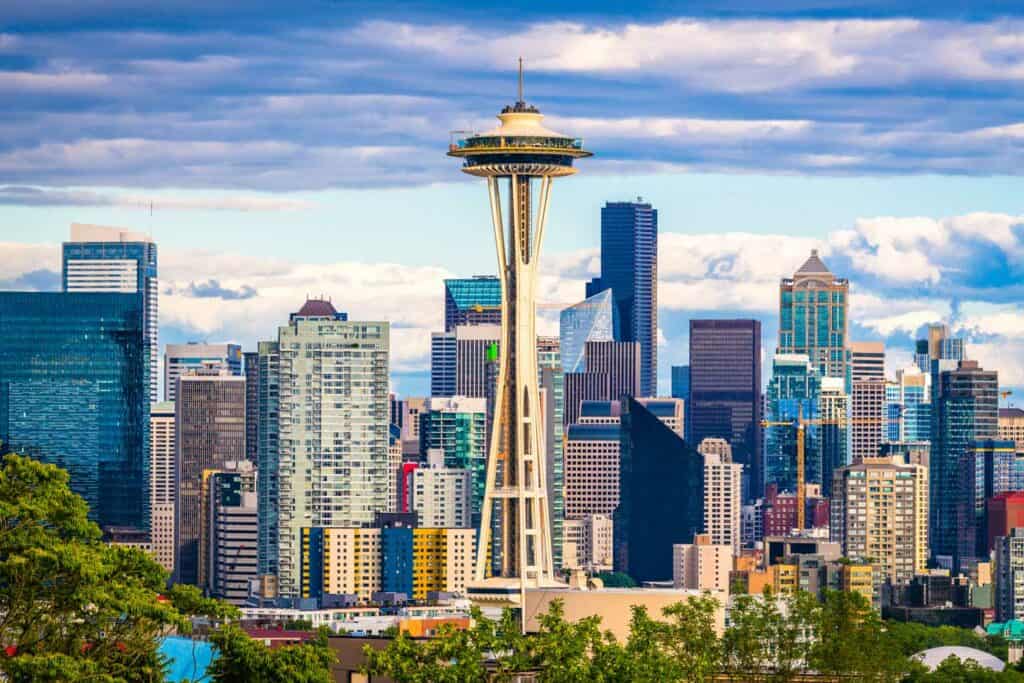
<point>521,80</point>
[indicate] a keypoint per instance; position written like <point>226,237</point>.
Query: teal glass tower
<point>812,317</point>
<point>472,301</point>
<point>593,319</point>
<point>74,391</point>
<point>793,391</point>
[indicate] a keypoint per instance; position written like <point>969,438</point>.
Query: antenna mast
<point>520,79</point>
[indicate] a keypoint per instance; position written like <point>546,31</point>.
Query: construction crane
<point>1003,395</point>
<point>801,424</point>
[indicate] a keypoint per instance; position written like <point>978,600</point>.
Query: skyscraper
<point>724,378</point>
<point>472,301</point>
<point>267,455</point>
<point>521,150</point>
<point>722,494</point>
<point>162,489</point>
<point>908,411</point>
<point>456,427</point>
<point>621,361</point>
<point>681,382</point>
<point>592,320</point>
<point>1011,426</point>
<point>252,404</point>
<point>867,399</point>
<point>965,409</point>
<point>991,467</point>
<point>793,392</point>
<point>584,386</point>
<point>330,466</point>
<point>209,431</point>
<point>661,494</point>
<point>552,384</point>
<point>103,259</point>
<point>442,363</point>
<point>471,347</point>
<point>629,267</point>
<point>441,495</point>
<point>833,433</point>
<point>812,317</point>
<point>591,470</point>
<point>74,391</point>
<point>1009,575</point>
<point>182,359</point>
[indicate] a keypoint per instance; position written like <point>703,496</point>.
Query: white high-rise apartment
<point>327,458</point>
<point>723,490</point>
<point>1011,426</point>
<point>587,543</point>
<point>183,359</point>
<point>106,259</point>
<point>161,483</point>
<point>867,399</point>
<point>441,495</point>
<point>1009,575</point>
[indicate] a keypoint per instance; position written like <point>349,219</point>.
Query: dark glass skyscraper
<point>629,267</point>
<point>74,391</point>
<point>681,382</point>
<point>725,391</point>
<point>966,409</point>
<point>661,493</point>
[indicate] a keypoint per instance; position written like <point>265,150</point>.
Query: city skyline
<point>914,205</point>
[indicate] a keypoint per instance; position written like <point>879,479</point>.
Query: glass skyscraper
<point>457,427</point>
<point>103,259</point>
<point>725,391</point>
<point>472,301</point>
<point>681,382</point>
<point>812,317</point>
<point>629,267</point>
<point>593,319</point>
<point>552,381</point>
<point>794,390</point>
<point>74,391</point>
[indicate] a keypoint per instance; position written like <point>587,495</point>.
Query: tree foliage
<point>242,659</point>
<point>73,608</point>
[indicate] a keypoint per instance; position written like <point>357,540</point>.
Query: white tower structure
<point>517,156</point>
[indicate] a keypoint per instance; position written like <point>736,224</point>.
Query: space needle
<point>518,158</point>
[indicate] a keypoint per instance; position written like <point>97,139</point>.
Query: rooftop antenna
<point>520,79</point>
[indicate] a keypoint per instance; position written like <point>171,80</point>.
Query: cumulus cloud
<point>22,195</point>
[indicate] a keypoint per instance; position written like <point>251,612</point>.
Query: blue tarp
<point>188,659</point>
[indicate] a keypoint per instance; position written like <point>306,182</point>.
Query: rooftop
<point>813,265</point>
<point>316,308</point>
<point>1013,413</point>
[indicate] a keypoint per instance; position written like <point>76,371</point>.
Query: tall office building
<point>833,432</point>
<point>722,494</point>
<point>209,432</point>
<point>591,469</point>
<point>162,472</point>
<point>231,532</point>
<point>965,409</point>
<point>990,468</point>
<point>472,301</point>
<point>327,377</point>
<point>879,514</point>
<point>908,411</point>
<point>441,495</point>
<point>812,317</point>
<point>661,494</point>
<point>75,390</point>
<point>592,320</point>
<point>104,259</point>
<point>629,267</point>
<point>938,346</point>
<point>793,391</point>
<point>681,381</point>
<point>456,427</point>
<point>621,361</point>
<point>867,399</point>
<point>472,343</point>
<point>1008,559</point>
<point>251,361</point>
<point>584,386</point>
<point>442,363</point>
<point>1011,426</point>
<point>552,384</point>
<point>185,359</point>
<point>724,401</point>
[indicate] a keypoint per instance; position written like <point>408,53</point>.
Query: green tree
<point>616,579</point>
<point>244,660</point>
<point>953,670</point>
<point>849,640</point>
<point>74,608</point>
<point>769,635</point>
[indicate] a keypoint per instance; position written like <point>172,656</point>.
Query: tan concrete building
<point>612,605</point>
<point>702,565</point>
<point>1011,426</point>
<point>867,400</point>
<point>587,543</point>
<point>352,561</point>
<point>591,463</point>
<point>879,511</point>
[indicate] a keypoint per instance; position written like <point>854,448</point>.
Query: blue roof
<point>594,432</point>
<point>187,659</point>
<point>482,290</point>
<point>662,408</point>
<point>590,408</point>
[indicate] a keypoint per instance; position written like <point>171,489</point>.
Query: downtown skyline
<point>258,201</point>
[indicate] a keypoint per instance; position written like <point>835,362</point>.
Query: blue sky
<point>300,149</point>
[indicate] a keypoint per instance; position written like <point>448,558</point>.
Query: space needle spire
<point>518,158</point>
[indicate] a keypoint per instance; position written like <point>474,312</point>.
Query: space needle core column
<point>519,156</point>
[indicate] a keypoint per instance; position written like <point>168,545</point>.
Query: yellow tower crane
<point>801,424</point>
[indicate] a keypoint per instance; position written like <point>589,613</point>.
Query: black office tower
<point>725,391</point>
<point>661,495</point>
<point>629,267</point>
